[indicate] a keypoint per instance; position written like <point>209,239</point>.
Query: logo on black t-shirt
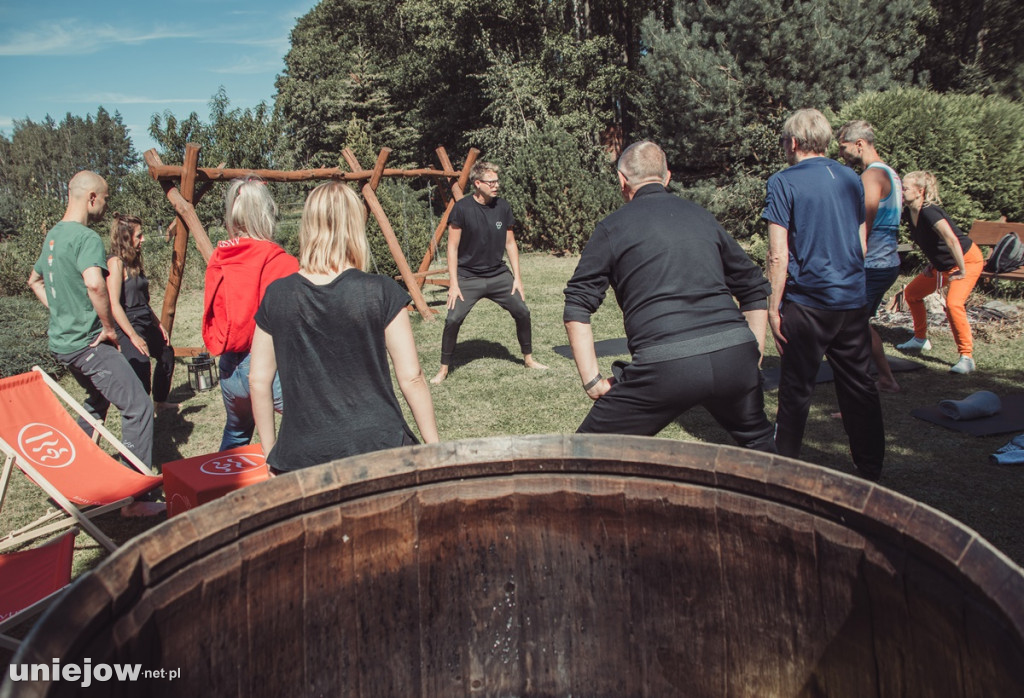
<point>497,224</point>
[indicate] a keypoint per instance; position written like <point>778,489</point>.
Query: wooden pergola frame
<point>187,183</point>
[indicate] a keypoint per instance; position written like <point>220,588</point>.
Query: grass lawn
<point>489,392</point>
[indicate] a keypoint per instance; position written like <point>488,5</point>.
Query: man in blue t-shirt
<point>816,246</point>
<point>480,232</point>
<point>69,278</point>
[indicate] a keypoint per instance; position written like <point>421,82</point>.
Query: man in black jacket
<point>694,307</point>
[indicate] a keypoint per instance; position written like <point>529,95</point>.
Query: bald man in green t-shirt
<point>70,279</point>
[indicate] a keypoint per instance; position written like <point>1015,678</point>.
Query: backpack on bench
<point>1007,255</point>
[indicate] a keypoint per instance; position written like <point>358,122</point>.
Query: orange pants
<point>927,283</point>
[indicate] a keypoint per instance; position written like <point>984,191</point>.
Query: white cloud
<point>249,66</point>
<point>70,38</point>
<point>119,98</point>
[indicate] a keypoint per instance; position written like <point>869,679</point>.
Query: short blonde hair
<point>927,183</point>
<point>249,209</point>
<point>481,168</point>
<point>333,230</point>
<point>810,128</point>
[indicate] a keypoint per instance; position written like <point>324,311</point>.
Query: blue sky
<point>139,57</point>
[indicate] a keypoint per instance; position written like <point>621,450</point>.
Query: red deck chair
<point>30,580</point>
<point>38,434</point>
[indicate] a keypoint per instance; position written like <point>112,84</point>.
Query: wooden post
<point>177,256</point>
<point>458,187</point>
<point>186,221</point>
<point>186,196</point>
<point>373,204</point>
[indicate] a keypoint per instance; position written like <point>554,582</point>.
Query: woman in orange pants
<point>954,261</point>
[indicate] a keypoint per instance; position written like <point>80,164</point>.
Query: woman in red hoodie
<point>237,276</point>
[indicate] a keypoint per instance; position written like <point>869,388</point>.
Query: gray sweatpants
<point>108,379</point>
<point>498,289</point>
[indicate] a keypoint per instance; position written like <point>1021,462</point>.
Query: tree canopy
<point>39,159</point>
<point>551,89</point>
<point>722,72</point>
<point>423,73</point>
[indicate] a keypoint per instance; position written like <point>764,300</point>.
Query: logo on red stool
<point>234,464</point>
<point>46,446</point>
<point>177,504</point>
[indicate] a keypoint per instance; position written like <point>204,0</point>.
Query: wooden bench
<point>988,234</point>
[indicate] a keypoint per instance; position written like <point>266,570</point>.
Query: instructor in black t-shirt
<point>480,229</point>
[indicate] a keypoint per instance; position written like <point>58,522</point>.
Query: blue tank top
<point>884,236</point>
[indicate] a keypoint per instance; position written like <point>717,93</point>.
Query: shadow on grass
<point>476,349</point>
<point>172,430</point>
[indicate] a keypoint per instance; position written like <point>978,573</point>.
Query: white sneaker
<point>964,366</point>
<point>915,344</point>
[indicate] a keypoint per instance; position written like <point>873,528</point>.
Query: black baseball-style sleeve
<point>589,283</point>
<point>745,280</point>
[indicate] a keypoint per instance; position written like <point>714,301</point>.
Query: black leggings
<point>159,349</point>
<point>498,289</point>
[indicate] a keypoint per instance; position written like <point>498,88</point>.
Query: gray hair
<point>858,130</point>
<point>811,130</point>
<point>643,163</point>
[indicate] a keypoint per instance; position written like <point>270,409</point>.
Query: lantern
<point>200,373</point>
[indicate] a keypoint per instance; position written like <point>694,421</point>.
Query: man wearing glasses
<point>480,232</point>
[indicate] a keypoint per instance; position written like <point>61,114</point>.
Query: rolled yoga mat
<point>983,403</point>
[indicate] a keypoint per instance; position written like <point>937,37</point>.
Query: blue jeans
<point>234,388</point>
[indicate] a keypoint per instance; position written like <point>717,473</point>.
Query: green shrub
<point>737,204</point>
<point>18,253</point>
<point>23,342</point>
<point>973,144</point>
<point>412,220</point>
<point>559,188</point>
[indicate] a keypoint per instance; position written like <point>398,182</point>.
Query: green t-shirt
<point>69,249</point>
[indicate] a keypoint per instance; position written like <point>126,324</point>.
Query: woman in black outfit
<point>139,331</point>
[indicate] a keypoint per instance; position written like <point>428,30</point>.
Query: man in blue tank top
<point>883,208</point>
<point>816,245</point>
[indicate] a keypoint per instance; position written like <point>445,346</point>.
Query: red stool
<point>193,481</point>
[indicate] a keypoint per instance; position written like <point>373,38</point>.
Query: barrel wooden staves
<point>548,566</point>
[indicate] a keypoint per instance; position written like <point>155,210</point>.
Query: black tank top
<point>135,295</point>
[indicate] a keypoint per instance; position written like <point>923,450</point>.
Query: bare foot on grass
<point>441,375</point>
<point>533,363</point>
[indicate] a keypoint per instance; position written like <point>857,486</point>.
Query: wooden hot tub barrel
<point>549,566</point>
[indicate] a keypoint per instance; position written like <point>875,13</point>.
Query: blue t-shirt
<point>821,203</point>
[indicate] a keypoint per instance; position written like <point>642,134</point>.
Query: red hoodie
<point>237,276</point>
